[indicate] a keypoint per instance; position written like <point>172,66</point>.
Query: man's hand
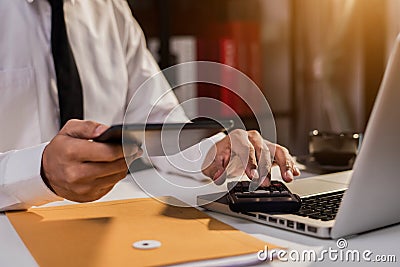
<point>248,152</point>
<point>80,170</point>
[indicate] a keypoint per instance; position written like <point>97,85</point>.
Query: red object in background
<point>236,43</point>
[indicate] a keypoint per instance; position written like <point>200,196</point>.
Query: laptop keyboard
<point>321,207</point>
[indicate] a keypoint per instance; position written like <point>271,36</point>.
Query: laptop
<point>352,202</point>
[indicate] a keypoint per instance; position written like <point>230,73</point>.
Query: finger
<point>272,147</point>
<point>263,156</point>
<point>105,190</point>
<point>264,164</point>
<point>267,181</point>
<point>129,160</point>
<point>244,149</point>
<point>89,191</point>
<point>109,181</point>
<point>107,169</point>
<point>217,160</point>
<point>131,150</point>
<point>218,167</point>
<point>121,165</point>
<point>296,170</point>
<point>286,163</point>
<point>221,178</point>
<point>86,173</point>
<point>234,168</point>
<point>252,166</point>
<point>83,129</point>
<point>84,150</point>
<point>104,185</point>
<point>97,189</point>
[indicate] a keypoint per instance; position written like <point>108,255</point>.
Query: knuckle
<point>70,176</point>
<point>71,123</point>
<point>116,152</point>
<point>90,124</point>
<point>254,137</point>
<point>69,151</point>
<point>253,133</point>
<point>283,149</point>
<point>237,132</point>
<point>83,191</point>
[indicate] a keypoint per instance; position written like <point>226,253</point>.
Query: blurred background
<point>318,63</point>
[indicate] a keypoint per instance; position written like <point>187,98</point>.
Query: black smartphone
<point>161,139</point>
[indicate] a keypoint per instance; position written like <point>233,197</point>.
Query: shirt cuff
<point>22,180</point>
<point>189,162</point>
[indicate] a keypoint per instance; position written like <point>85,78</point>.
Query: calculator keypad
<point>274,198</point>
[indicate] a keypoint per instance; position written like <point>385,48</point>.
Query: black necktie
<point>70,95</point>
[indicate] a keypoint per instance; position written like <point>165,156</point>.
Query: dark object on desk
<point>312,166</point>
<point>275,198</point>
<point>332,149</point>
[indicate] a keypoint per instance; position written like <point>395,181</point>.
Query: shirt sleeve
<point>21,185</point>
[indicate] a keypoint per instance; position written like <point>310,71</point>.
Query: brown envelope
<point>102,234</point>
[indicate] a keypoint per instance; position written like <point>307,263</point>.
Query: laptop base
<point>289,222</point>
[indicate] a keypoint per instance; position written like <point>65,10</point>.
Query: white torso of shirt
<point>111,57</point>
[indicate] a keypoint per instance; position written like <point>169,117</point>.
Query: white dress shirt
<point>113,61</point>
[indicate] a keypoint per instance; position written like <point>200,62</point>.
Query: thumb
<point>83,129</point>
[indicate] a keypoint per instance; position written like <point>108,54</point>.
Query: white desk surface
<point>384,241</point>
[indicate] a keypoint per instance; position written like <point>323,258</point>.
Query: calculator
<point>275,198</point>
